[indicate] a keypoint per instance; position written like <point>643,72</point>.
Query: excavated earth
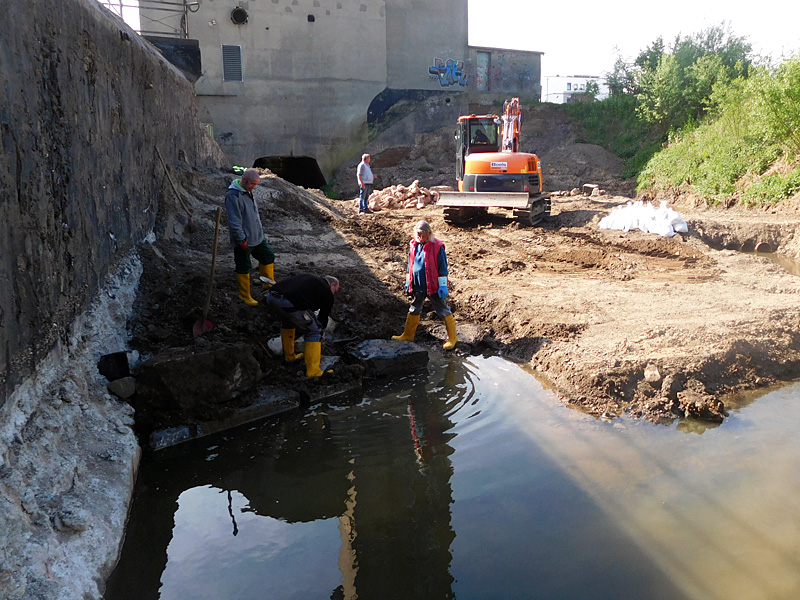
<point>615,322</point>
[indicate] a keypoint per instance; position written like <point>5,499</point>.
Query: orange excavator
<point>492,172</point>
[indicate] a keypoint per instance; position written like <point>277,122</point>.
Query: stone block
<point>589,189</point>
<point>385,358</point>
<point>191,377</point>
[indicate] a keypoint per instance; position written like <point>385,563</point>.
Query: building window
<point>232,63</point>
<point>482,71</point>
<point>569,87</point>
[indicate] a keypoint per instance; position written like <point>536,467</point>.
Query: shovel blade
<point>202,327</point>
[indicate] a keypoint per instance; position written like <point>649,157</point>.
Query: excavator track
<point>461,207</point>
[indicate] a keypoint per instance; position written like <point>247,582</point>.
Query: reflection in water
<point>471,482</point>
<point>381,469</point>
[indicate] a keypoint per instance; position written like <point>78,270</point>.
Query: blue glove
<point>443,293</point>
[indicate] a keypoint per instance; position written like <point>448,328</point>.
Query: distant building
<point>311,81</point>
<point>500,74</point>
<point>560,89</point>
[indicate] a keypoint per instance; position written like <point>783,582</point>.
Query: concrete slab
<point>386,358</point>
<point>272,401</point>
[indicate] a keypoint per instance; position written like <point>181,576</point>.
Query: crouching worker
<point>295,300</point>
<point>247,234</point>
<point>427,277</point>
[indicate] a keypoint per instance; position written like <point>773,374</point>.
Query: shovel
<point>204,325</point>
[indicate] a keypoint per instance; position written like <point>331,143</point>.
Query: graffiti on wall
<point>449,72</point>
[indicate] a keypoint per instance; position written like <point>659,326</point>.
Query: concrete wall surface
<point>84,103</point>
<point>310,69</point>
<point>505,72</point>
<point>426,45</point>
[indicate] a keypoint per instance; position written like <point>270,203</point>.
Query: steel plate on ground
<point>488,199</point>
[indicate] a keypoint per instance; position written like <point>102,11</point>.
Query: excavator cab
<point>476,134</point>
<point>492,172</point>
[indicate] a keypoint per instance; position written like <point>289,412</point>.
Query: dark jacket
<point>307,292</point>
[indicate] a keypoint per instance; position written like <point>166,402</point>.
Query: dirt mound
<point>546,131</point>
<point>569,166</point>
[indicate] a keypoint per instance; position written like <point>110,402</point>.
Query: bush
<point>614,124</point>
<point>772,188</point>
<point>753,123</point>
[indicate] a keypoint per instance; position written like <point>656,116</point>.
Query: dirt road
<point>617,322</point>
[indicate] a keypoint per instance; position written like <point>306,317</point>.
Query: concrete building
<point>500,73</point>
<point>560,89</point>
<point>303,85</point>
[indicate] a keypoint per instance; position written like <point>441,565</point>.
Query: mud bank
<point>69,460</point>
<point>619,322</point>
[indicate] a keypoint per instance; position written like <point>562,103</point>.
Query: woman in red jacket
<point>427,277</point>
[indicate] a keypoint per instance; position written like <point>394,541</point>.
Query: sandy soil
<point>616,322</point>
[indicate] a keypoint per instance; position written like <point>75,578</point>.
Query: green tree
<point>649,57</point>
<point>622,79</point>
<point>592,89</point>
<point>675,88</point>
<point>777,106</point>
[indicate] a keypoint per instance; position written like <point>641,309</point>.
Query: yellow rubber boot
<point>244,289</point>
<point>450,323</point>
<point>313,354</point>
<point>287,340</point>
<point>267,271</point>
<point>411,329</point>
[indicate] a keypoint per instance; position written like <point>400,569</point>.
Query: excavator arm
<point>512,122</point>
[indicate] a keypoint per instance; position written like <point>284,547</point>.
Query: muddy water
<point>791,265</point>
<point>473,481</point>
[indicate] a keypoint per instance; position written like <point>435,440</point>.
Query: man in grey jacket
<point>365,179</point>
<point>247,234</point>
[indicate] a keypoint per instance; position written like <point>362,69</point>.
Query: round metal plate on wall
<point>239,15</point>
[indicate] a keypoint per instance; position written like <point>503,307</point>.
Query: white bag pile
<point>645,217</point>
<point>401,196</point>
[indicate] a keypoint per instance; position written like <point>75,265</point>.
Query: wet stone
<point>123,388</point>
<point>271,401</point>
<point>192,378</point>
<point>386,358</point>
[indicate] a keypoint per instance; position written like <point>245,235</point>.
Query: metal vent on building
<point>239,15</point>
<point>232,63</point>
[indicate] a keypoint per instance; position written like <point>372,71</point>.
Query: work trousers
<point>363,196</point>
<point>261,252</point>
<point>439,304</point>
<point>304,321</point>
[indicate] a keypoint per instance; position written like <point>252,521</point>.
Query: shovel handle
<point>172,183</point>
<point>213,265</point>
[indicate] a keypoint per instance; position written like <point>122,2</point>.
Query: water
<point>472,482</point>
<point>790,265</point>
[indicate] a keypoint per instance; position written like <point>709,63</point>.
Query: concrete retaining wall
<point>84,102</point>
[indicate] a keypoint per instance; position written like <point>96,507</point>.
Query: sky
<point>580,37</point>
